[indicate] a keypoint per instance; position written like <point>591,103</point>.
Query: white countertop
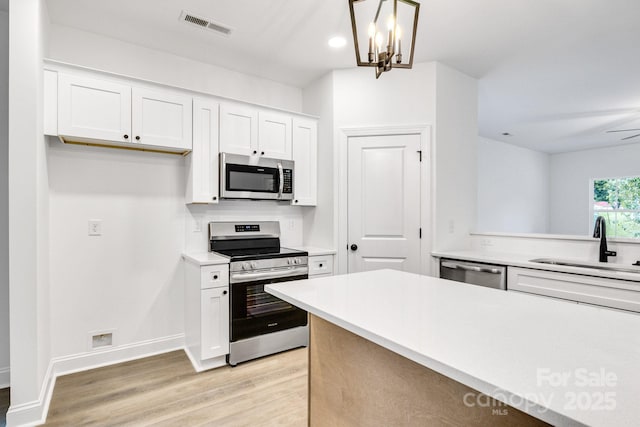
<point>523,260</point>
<point>314,250</point>
<point>493,341</point>
<point>205,258</point>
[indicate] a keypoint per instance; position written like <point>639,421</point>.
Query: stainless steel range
<point>261,324</point>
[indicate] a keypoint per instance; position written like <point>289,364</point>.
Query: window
<point>618,201</point>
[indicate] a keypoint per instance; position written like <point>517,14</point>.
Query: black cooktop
<point>260,253</point>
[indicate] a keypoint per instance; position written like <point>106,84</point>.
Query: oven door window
<point>252,178</point>
<point>255,312</point>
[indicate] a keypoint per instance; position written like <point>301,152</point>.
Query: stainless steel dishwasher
<point>487,275</point>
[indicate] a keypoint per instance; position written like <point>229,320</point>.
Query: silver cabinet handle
<point>240,277</point>
<point>471,268</point>
<point>281,186</point>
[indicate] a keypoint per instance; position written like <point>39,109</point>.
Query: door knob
<point>354,247</point>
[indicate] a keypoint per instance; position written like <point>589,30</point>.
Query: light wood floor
<point>165,391</point>
<point>4,405</point>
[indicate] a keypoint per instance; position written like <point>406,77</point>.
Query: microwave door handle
<point>281,183</point>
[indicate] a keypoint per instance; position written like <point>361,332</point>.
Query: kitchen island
<point>394,348</point>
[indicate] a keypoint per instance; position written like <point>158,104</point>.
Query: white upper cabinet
<point>249,131</point>
<point>274,135</point>
<point>202,162</point>
<point>111,113</point>
<point>238,129</point>
<point>305,156</point>
<point>161,119</point>
<point>93,109</point>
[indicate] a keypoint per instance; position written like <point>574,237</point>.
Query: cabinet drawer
<point>321,264</point>
<point>620,294</point>
<point>214,276</point>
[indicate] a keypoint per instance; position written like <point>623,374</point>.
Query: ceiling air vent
<point>208,24</point>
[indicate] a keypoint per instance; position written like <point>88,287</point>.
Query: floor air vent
<point>208,24</point>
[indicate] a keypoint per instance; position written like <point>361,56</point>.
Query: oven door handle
<point>281,183</point>
<point>239,277</point>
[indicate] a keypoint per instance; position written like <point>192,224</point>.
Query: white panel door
<point>161,119</point>
<point>274,135</point>
<point>215,322</point>
<point>384,203</point>
<point>93,109</point>
<point>202,162</point>
<point>305,156</point>
<point>238,129</point>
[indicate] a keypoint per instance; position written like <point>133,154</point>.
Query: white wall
<point>319,221</point>
<point>92,50</point>
<point>456,134</point>
<point>570,173</point>
<point>28,212</point>
<point>129,279</point>
<point>4,201</point>
<point>513,188</point>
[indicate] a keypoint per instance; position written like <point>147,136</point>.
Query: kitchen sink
<point>595,266</point>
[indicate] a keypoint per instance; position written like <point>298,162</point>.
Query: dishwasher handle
<point>456,266</point>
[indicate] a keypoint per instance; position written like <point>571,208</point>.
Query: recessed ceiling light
<point>337,42</point>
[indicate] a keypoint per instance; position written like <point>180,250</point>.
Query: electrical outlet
<point>95,227</point>
<point>101,339</point>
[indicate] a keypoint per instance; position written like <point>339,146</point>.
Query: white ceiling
<point>554,74</point>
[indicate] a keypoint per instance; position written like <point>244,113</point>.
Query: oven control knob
<point>246,266</point>
<point>254,265</point>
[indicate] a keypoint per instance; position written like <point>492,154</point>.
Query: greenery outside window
<point>618,201</point>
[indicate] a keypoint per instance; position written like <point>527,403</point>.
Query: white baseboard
<point>203,365</point>
<point>35,413</point>
<point>5,377</point>
<point>110,356</point>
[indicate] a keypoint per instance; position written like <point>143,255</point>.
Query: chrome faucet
<point>600,231</point>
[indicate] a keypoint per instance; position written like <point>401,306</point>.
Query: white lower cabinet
<point>320,265</point>
<point>603,292</point>
<point>207,315</point>
<point>214,307</point>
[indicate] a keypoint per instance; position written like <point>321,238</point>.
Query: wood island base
<point>355,382</point>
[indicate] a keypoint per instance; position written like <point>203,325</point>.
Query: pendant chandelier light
<point>381,29</point>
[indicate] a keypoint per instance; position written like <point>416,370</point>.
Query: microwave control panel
<point>287,187</point>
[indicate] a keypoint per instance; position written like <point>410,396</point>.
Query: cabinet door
<point>274,135</point>
<point>92,109</point>
<point>215,322</point>
<point>305,156</point>
<point>161,119</point>
<point>202,163</point>
<point>238,129</point>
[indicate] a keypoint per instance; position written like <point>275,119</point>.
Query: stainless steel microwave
<point>257,178</point>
